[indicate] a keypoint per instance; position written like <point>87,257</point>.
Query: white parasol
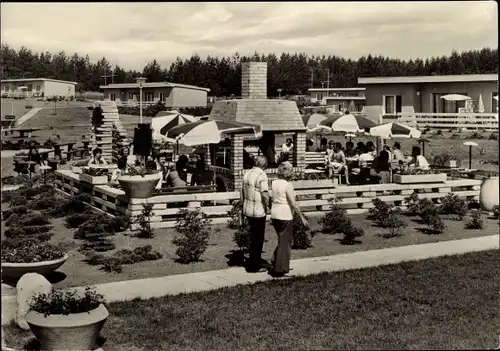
<point>455,97</point>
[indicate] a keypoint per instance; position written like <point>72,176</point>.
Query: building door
<point>162,97</point>
<point>112,97</point>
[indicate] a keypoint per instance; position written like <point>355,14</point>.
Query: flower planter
<point>78,331</point>
<point>94,180</point>
<point>419,178</point>
<point>488,196</point>
<point>139,186</point>
<point>313,184</point>
<point>14,271</point>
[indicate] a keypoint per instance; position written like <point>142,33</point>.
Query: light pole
<point>279,93</point>
<point>140,81</point>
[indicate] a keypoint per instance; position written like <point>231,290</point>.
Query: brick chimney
<point>254,80</point>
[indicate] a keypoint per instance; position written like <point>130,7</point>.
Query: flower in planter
<point>29,251</point>
<point>95,172</point>
<point>141,170</point>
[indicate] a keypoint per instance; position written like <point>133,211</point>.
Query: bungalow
<point>390,96</point>
<point>340,99</point>
<point>173,95</point>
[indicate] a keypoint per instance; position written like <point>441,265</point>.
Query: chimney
<point>254,80</point>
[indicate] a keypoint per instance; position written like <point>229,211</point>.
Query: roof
<point>336,89</point>
<point>430,79</point>
<point>344,97</point>
<point>152,85</point>
<point>20,80</point>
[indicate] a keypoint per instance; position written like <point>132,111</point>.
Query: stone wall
<point>254,80</point>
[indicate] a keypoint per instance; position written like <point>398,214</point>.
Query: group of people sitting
<point>363,163</point>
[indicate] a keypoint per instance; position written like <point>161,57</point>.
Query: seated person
<point>365,157</point>
<point>121,170</point>
<point>418,161</point>
<point>181,167</point>
<point>371,148</point>
<point>152,166</point>
<point>97,159</point>
<point>287,147</point>
<point>335,161</point>
<point>360,147</point>
<point>381,168</point>
<point>174,179</point>
<point>349,149</point>
<point>201,176</point>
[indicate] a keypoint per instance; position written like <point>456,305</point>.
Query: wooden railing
<point>487,121</point>
<point>313,197</point>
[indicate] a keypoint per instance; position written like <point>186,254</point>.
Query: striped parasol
<point>395,130</point>
<point>313,120</point>
<point>348,123</point>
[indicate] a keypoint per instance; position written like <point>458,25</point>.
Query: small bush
<point>99,243</point>
<point>395,224</point>
<point>28,219</point>
<point>351,235</point>
<point>476,221</point>
<point>381,212</point>
<point>29,251</point>
<point>435,224</point>
<point>15,232</point>
<point>18,201</point>
<point>412,203</point>
<point>194,226</point>
<point>335,220</point>
<point>101,223</point>
<point>452,204</point>
<point>496,212</point>
<point>17,210</point>
<point>301,234</point>
<point>114,262</point>
<point>234,215</point>
<point>64,302</point>
<point>77,219</point>
<point>427,210</point>
<point>144,221</point>
<point>493,136</point>
<point>241,237</point>
<point>476,135</point>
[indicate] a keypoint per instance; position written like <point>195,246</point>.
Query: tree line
<point>293,73</point>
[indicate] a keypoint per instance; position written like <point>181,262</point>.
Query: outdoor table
<point>86,144</point>
<point>22,131</point>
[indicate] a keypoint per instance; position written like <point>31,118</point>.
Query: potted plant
<point>415,176</point>
<point>29,256</point>
<point>139,182</point>
<point>312,181</point>
<point>94,176</point>
<point>67,320</point>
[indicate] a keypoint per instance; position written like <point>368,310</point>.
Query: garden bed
<point>404,306</point>
<point>77,272</point>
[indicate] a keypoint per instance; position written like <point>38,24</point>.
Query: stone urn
<point>13,271</point>
<point>488,196</point>
<point>138,186</point>
<point>76,331</point>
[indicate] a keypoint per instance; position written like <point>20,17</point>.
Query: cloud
<point>131,34</point>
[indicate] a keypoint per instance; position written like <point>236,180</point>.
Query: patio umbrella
<point>395,130</point>
<point>480,104</point>
<point>313,120</point>
<point>161,124</point>
<point>348,123</point>
<point>210,131</point>
<point>455,97</point>
<point>470,144</point>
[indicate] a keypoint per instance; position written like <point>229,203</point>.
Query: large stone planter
<point>78,331</point>
<point>314,184</point>
<point>139,186</point>
<point>13,271</point>
<point>419,178</point>
<point>94,180</point>
<point>488,196</point>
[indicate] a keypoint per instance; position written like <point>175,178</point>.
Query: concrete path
<point>203,281</point>
<point>27,116</point>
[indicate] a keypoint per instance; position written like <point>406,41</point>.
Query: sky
<point>132,34</point>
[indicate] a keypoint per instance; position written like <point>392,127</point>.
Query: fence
<point>313,197</point>
<point>487,121</point>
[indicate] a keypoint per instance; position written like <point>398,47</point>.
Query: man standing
<point>255,200</point>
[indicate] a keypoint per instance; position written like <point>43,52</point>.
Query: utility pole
<point>312,78</point>
<point>105,76</point>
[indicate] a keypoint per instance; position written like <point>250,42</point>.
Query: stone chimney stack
<point>254,80</point>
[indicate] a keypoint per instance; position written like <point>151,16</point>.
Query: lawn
<point>219,254</point>
<point>444,303</point>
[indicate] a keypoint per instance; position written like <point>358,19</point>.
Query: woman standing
<point>283,207</point>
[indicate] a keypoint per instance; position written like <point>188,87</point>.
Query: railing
<point>313,197</point>
<point>487,121</point>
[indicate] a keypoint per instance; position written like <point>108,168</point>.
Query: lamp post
<point>140,81</point>
<point>279,93</point>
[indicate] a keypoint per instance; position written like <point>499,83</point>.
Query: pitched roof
<point>151,85</point>
<point>430,79</point>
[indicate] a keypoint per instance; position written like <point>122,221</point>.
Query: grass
<point>219,254</point>
<point>443,303</point>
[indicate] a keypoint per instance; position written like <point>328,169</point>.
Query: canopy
<point>162,124</point>
<point>455,97</point>
<point>395,130</point>
<point>313,120</point>
<point>210,131</point>
<point>480,104</point>
<point>348,123</point>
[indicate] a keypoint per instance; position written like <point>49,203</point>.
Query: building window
<point>7,88</point>
<point>30,87</point>
<point>38,87</point>
<point>440,105</point>
<point>149,96</point>
<point>112,97</point>
<point>393,104</point>
<point>132,96</point>
<point>162,97</point>
<point>494,102</point>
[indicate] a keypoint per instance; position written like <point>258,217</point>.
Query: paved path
<point>27,116</point>
<point>203,281</point>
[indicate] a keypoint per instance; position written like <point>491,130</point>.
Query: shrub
<point>17,210</point>
<point>335,220</point>
<point>301,237</point>
<point>351,235</point>
<point>493,136</point>
<point>28,219</point>
<point>412,203</point>
<point>381,212</point>
<point>64,302</point>
<point>235,215</point>
<point>29,251</point>
<point>77,219</point>
<point>427,210</point>
<point>476,221</point>
<point>144,221</point>
<point>476,135</point>
<point>452,204</point>
<point>395,224</point>
<point>440,160</point>
<point>435,224</point>
<point>195,229</point>
<point>101,223</point>
<point>496,211</point>
<point>97,242</point>
<point>241,237</point>
<point>15,232</point>
<point>114,262</point>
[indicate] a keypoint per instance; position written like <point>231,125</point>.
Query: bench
<point>180,190</point>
